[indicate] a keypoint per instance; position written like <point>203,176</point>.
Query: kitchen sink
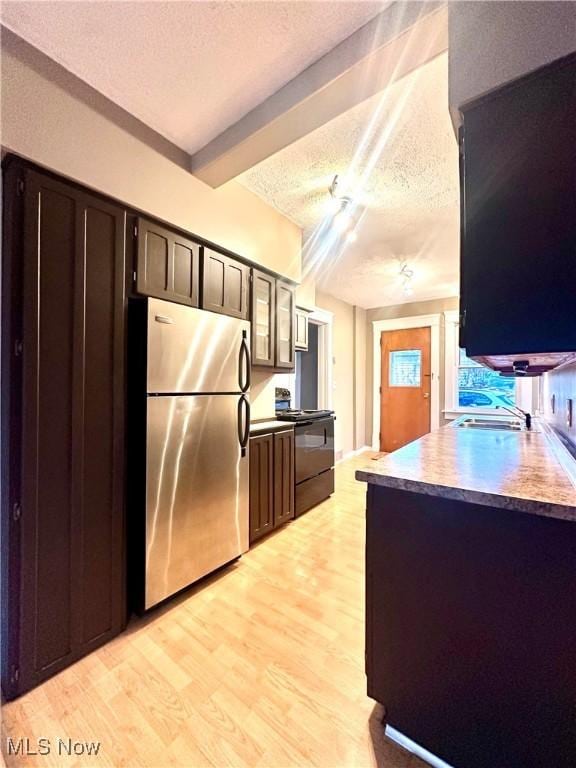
<point>499,423</point>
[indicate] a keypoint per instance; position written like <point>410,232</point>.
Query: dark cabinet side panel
<point>283,477</point>
<point>225,284</point>
<point>48,386</point>
<point>103,470</point>
<point>471,616</point>
<point>261,486</point>
<point>518,245</point>
<point>71,527</point>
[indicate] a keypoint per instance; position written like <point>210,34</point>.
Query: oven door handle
<point>315,421</point>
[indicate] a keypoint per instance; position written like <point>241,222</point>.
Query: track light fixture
<point>406,275</point>
<point>341,208</point>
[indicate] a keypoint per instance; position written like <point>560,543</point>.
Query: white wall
<point>55,120</point>
<point>360,371</point>
<point>52,118</point>
<point>348,372</point>
<point>492,43</point>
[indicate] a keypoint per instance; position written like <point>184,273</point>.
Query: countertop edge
<point>269,425</point>
<point>484,498</point>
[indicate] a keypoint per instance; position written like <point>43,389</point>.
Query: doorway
<point>307,372</point>
<point>405,386</point>
<point>312,382</point>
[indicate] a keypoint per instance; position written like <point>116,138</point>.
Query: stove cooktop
<point>294,415</point>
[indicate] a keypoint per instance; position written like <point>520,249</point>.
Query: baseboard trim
<point>411,746</point>
<point>350,454</point>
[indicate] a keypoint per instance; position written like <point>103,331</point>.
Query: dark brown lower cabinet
<point>271,482</point>
<point>283,477</point>
<point>63,425</point>
<point>261,486</point>
<point>470,626</point>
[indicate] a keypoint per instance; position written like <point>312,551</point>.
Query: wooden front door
<point>405,387</point>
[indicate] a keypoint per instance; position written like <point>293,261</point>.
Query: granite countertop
<point>521,471</point>
<point>269,425</point>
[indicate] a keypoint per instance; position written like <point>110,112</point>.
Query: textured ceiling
<point>187,69</point>
<point>397,156</point>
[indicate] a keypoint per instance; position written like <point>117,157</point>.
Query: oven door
<point>314,447</point>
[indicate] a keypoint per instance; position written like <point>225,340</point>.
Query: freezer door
<point>191,350</point>
<point>196,489</point>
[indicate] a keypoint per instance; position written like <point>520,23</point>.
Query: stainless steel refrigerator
<point>198,422</point>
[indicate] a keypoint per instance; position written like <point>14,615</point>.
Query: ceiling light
<point>333,206</point>
<point>342,221</point>
<point>341,207</point>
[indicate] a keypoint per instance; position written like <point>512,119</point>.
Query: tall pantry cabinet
<point>63,364</point>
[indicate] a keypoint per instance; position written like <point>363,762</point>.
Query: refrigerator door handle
<point>244,364</point>
<point>243,423</point>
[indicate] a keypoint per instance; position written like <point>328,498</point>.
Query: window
<point>479,387</point>
<point>405,368</point>
<point>469,386</point>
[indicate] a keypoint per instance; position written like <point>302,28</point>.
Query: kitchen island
<point>471,597</point>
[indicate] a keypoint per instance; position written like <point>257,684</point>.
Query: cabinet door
<point>518,255</point>
<point>301,341</point>
<point>167,265</point>
<point>263,318</point>
<point>72,590</point>
<point>261,486</point>
<point>283,477</point>
<point>284,325</point>
<point>224,285</point>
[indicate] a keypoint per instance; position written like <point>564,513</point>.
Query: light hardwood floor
<point>261,665</point>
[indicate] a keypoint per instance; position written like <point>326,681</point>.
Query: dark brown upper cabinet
<point>167,264</point>
<point>263,318</point>
<point>285,355</point>
<point>63,502</point>
<point>273,324</point>
<point>301,329</point>
<point>225,284</point>
<point>518,222</point>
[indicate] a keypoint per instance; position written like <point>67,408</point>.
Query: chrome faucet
<point>515,411</point>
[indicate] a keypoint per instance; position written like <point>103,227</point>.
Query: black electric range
<point>313,456</point>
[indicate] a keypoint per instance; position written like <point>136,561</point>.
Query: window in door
<point>405,368</point>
